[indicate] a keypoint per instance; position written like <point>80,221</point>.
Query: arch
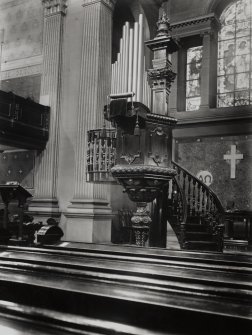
<point>218,6</point>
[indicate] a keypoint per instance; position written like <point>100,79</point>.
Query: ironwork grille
<point>101,153</point>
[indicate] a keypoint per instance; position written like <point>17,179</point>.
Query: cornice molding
<point>204,23</point>
<point>109,3</point>
<point>22,72</point>
<point>225,114</point>
<point>196,20</point>
<point>52,7</point>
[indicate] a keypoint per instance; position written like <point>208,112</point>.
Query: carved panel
<point>158,145</point>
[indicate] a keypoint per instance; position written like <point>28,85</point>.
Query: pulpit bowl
<point>142,183</point>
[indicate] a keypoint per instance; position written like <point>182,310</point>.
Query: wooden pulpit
<point>9,193</point>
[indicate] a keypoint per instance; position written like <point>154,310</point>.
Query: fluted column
<point>89,213</point>
<point>45,201</point>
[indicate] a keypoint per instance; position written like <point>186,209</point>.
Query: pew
<point>152,289</point>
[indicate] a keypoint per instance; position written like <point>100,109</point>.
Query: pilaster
<point>45,203</point>
<point>173,98</point>
<point>209,71</point>
<point>89,215</point>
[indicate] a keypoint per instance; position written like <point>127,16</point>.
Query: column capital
<point>52,7</point>
<point>109,3</point>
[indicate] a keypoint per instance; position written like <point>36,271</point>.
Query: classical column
<point>209,71</point>
<point>89,215</point>
<point>45,203</point>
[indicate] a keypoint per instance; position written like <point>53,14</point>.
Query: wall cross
<point>234,158</point>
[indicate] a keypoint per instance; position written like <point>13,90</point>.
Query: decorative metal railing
<point>101,153</point>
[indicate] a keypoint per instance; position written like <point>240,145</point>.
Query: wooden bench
<point>152,289</point>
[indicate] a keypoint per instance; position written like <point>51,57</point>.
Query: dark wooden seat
<point>146,288</point>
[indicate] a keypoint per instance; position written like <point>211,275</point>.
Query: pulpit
<point>9,193</point>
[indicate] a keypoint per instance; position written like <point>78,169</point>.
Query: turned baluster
<point>203,209</point>
<point>182,235</point>
<point>194,198</point>
<point>92,154</point>
<point>189,196</point>
<point>198,199</point>
<point>180,207</point>
<point>174,197</point>
<point>207,202</point>
<point>211,210</point>
<point>184,182</point>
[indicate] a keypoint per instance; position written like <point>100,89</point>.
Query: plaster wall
<point>22,22</point>
<point>208,155</point>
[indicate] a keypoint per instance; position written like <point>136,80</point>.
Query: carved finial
<point>163,25</point>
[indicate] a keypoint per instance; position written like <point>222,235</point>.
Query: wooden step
<point>201,245</point>
<point>195,227</point>
<point>198,236</point>
<point>194,219</point>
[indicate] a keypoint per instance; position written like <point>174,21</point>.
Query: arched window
<point>234,55</point>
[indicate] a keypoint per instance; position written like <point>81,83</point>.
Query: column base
<point>88,221</point>
<point>42,209</point>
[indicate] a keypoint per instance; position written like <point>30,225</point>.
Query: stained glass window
<point>234,82</point>
<point>194,61</point>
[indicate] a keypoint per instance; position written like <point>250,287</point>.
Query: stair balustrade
<point>205,212</point>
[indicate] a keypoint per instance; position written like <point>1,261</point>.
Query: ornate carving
<point>54,7</point>
<point>164,119</point>
<point>156,156</point>
<point>141,223</point>
<point>162,73</point>
<point>142,182</point>
<point>163,25</point>
<point>129,158</point>
<point>162,78</point>
<point>141,169</point>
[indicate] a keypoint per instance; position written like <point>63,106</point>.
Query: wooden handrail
<point>204,186</point>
